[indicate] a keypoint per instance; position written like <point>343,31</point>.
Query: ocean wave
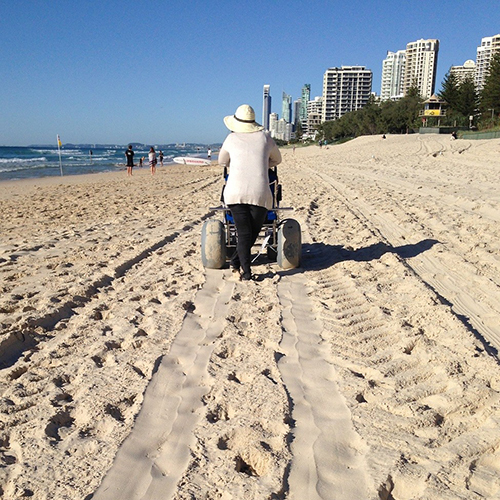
<point>22,160</point>
<point>18,167</point>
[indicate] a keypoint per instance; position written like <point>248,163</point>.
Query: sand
<point>128,371</point>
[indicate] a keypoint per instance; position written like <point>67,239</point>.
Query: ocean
<point>43,161</point>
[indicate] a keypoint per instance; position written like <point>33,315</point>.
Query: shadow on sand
<point>316,256</point>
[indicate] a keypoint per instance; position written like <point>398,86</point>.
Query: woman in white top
<point>249,151</point>
<point>152,160</point>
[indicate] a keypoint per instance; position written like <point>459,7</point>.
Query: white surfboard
<point>189,160</point>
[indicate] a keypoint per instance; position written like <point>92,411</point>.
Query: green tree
<point>467,97</point>
<point>450,91</point>
<point>299,132</point>
<point>490,94</point>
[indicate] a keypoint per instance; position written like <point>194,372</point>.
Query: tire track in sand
<point>444,279</point>
<point>155,455</point>
<point>328,455</point>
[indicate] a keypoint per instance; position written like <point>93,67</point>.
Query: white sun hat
<point>243,120</point>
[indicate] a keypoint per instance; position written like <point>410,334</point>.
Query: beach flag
<point>59,149</point>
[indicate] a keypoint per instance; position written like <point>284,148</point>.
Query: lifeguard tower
<point>434,109</point>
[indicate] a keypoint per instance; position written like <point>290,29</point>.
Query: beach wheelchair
<point>281,237</point>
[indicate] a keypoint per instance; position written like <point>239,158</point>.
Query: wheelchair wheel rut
<point>328,459</point>
<point>153,458</point>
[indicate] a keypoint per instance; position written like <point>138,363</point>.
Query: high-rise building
<point>286,113</point>
<point>393,70</point>
<point>266,107</point>
<point>421,66</point>
<point>468,69</point>
<point>314,114</point>
<point>305,98</point>
<point>345,89</point>
<point>273,124</point>
<point>297,104</point>
<point>489,46</point>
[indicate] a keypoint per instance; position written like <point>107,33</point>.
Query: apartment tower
<point>489,46</point>
<point>286,109</point>
<point>467,70</point>
<point>306,97</point>
<point>345,89</point>
<point>421,66</point>
<point>393,70</point>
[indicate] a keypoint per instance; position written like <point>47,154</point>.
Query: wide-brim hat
<point>243,120</point>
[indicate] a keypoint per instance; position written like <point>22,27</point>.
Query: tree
<point>299,132</point>
<point>467,97</point>
<point>490,95</point>
<point>450,91</point>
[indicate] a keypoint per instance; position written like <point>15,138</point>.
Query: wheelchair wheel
<point>213,244</point>
<point>289,244</point>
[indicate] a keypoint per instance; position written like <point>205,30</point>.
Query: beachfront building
<point>266,107</point>
<point>345,89</point>
<point>304,100</point>
<point>421,66</point>
<point>393,70</point>
<point>489,46</point>
<point>314,118</point>
<point>468,69</point>
<point>286,108</point>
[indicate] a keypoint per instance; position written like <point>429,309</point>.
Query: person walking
<point>129,154</point>
<point>160,157</point>
<point>249,152</point>
<point>152,160</point>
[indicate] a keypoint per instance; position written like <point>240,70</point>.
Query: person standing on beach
<point>129,154</point>
<point>249,151</point>
<point>160,156</point>
<point>209,153</point>
<point>152,160</point>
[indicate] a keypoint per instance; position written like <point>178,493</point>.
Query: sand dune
<point>129,371</point>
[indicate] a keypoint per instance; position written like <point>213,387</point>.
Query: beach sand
<point>128,371</point>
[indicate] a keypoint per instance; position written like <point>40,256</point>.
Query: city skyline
<point>156,73</point>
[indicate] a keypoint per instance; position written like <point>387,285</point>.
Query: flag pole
<point>59,149</point>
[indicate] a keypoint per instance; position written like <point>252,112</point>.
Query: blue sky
<point>169,71</point>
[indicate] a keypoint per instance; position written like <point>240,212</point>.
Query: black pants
<point>248,220</point>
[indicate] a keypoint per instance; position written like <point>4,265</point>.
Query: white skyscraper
<point>421,66</point>
<point>393,70</point>
<point>489,45</point>
<point>345,89</point>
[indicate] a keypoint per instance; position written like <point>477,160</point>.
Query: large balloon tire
<point>289,244</point>
<point>213,244</point>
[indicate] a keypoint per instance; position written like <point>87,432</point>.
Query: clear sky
<point>168,71</point>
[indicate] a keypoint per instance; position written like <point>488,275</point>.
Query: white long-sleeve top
<point>249,156</point>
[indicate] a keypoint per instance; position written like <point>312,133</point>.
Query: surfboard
<point>189,160</point>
